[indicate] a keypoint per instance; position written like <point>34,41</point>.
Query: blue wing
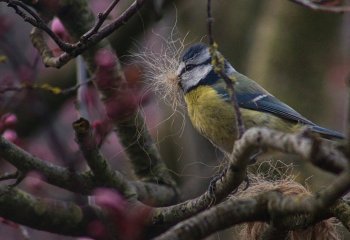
<point>252,96</point>
<point>270,104</point>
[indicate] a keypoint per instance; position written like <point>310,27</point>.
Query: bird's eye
<point>189,67</point>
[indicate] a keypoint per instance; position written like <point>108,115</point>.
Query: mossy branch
<point>48,215</point>
<point>310,148</point>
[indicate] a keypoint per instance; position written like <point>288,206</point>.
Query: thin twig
<point>80,47</point>
<point>319,7</point>
<point>44,87</point>
<point>110,28</point>
<point>90,38</point>
<point>38,22</point>
<point>76,87</point>
<point>219,65</point>
<point>101,18</point>
<point>210,21</point>
<point>348,116</point>
<point>239,121</point>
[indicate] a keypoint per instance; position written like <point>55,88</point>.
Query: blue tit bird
<point>209,103</point>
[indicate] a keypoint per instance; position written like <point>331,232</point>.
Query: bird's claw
<point>212,185</point>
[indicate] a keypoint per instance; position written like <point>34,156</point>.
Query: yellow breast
<point>211,116</point>
<point>215,119</point>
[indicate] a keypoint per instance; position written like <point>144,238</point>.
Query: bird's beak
<point>177,80</point>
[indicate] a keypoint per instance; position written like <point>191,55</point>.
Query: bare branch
<point>319,153</point>
<point>319,7</point>
<point>210,21</point>
<point>218,63</point>
<point>83,183</point>
<point>36,21</point>
<point>98,164</point>
<point>262,207</point>
<point>90,38</point>
<point>342,212</point>
<point>101,18</point>
<point>219,217</point>
<point>53,216</point>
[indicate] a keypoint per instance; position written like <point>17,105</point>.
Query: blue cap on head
<point>192,51</point>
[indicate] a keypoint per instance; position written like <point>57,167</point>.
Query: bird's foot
<point>212,184</point>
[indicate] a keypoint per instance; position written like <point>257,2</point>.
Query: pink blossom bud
<point>10,135</point>
<point>109,199</point>
<point>58,28</point>
<point>105,59</point>
<point>10,120</point>
<point>97,124</point>
<point>120,102</point>
<point>34,181</point>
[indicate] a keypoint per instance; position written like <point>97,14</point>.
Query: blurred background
<point>299,55</point>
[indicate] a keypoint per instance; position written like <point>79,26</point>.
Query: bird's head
<point>196,69</point>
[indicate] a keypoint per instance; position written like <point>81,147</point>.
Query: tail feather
<point>327,133</point>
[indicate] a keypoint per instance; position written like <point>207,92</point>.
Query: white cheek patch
<point>191,78</point>
<point>180,68</point>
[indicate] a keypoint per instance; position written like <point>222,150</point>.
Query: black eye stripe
<point>187,68</point>
<point>190,66</point>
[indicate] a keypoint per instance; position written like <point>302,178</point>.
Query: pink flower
<point>127,219</point>
<point>9,120</point>
<point>101,129</point>
<point>120,101</point>
<point>110,199</point>
<point>10,135</point>
<point>34,181</point>
<point>58,28</point>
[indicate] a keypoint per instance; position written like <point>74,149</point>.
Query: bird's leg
<point>217,177</point>
<point>212,184</point>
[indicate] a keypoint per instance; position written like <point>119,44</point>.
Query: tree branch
<point>262,207</point>
<point>341,211</point>
<point>36,21</point>
<point>319,7</point>
<point>218,63</point>
<point>97,163</point>
<point>83,183</point>
<point>90,38</point>
<point>52,216</point>
<point>111,83</point>
<point>101,18</point>
<point>318,152</point>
